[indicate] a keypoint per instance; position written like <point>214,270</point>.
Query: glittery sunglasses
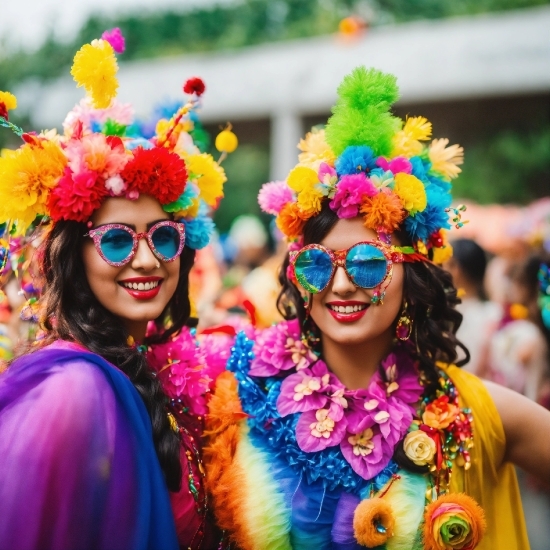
<point>117,244</point>
<point>368,264</point>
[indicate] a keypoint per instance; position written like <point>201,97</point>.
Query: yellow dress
<point>490,481</point>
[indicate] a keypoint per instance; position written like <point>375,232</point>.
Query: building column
<point>286,131</point>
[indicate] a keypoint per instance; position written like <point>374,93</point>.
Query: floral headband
<point>104,152</point>
<point>369,163</point>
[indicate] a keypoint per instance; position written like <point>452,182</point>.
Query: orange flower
<point>382,211</point>
<point>453,522</point>
<point>291,221</point>
<point>439,414</point>
<point>373,522</point>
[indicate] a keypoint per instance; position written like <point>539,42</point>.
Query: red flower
<point>156,172</point>
<point>76,197</point>
<point>194,86</point>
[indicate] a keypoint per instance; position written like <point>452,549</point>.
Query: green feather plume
<point>362,115</point>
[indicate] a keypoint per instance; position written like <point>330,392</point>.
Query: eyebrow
<point>132,226</point>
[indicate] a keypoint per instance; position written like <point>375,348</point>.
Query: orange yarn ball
<point>373,522</point>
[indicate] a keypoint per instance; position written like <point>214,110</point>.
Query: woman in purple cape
<point>93,453</point>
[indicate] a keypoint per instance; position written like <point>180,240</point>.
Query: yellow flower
<point>301,178</point>
<point>8,102</point>
<point>208,175</point>
<point>445,160</point>
<point>309,201</point>
<point>406,142</point>
<point>419,447</point>
<point>26,179</point>
<point>442,254</point>
<point>315,150</point>
<point>95,69</point>
<point>411,192</point>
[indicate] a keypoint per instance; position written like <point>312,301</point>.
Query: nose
<point>144,260</point>
<point>341,283</point>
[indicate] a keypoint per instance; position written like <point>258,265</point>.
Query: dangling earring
<point>307,304</point>
<point>403,330</point>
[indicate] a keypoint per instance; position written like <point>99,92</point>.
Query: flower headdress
<point>103,153</point>
<point>370,163</point>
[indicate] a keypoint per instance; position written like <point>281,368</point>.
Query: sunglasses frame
<point>392,254</point>
<point>98,233</point>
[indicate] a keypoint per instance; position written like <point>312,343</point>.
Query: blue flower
<point>138,142</point>
<point>198,230</point>
<point>355,159</point>
<point>423,224</point>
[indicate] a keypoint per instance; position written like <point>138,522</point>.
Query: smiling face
<point>138,291</point>
<point>343,312</point>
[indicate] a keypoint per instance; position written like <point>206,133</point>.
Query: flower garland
<point>347,438</point>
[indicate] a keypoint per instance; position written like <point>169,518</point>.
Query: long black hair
<point>428,291</point>
<point>72,312</point>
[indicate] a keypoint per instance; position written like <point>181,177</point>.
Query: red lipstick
<point>148,288</point>
<point>347,317</point>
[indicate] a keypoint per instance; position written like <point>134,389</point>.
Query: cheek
<point>98,273</point>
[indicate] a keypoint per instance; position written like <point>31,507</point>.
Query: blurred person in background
<point>480,316</point>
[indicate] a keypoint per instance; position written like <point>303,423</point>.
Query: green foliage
<point>361,115</point>
<point>247,170</point>
<point>511,167</point>
<point>230,26</point>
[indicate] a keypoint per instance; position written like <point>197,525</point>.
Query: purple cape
<point>78,468</point>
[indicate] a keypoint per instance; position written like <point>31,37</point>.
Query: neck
<point>354,364</point>
<point>137,330</point>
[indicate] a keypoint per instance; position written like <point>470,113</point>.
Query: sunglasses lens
<point>366,265</point>
<point>116,245</point>
<point>313,269</point>
<point>166,240</point>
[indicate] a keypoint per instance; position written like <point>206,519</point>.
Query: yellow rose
<point>419,447</point>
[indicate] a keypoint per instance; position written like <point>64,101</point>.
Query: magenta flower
<point>396,165</point>
<point>115,38</point>
<point>350,192</point>
<point>273,196</point>
<point>280,348</point>
<point>318,429</point>
<point>304,391</point>
<point>367,452</point>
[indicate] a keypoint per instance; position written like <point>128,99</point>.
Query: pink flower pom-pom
<point>396,165</point>
<point>273,196</point>
<point>349,194</point>
<point>115,38</point>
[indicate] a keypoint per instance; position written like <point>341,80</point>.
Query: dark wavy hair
<point>72,312</point>
<point>431,297</point>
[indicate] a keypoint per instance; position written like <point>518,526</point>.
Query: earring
<point>307,304</point>
<point>404,326</point>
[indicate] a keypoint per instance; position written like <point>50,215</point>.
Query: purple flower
<point>367,452</point>
<point>280,348</point>
<point>304,391</point>
<point>316,430</point>
<point>115,38</point>
<point>396,165</point>
<point>350,191</point>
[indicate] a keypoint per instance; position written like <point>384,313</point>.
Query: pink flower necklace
<point>366,424</point>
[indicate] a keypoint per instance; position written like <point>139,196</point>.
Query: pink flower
<point>327,175</point>
<point>318,429</point>
<point>350,191</point>
<point>115,185</point>
<point>396,165</point>
<point>216,349</point>
<point>366,452</point>
<point>115,38</point>
<point>280,348</point>
<point>273,196</point>
<point>304,391</point>
<point>180,368</point>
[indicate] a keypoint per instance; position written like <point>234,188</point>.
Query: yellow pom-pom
<point>8,102</point>
<point>301,178</point>
<point>373,522</point>
<point>411,192</point>
<point>95,69</point>
<point>309,201</point>
<point>208,175</point>
<point>226,141</point>
<point>442,254</point>
<point>315,150</point>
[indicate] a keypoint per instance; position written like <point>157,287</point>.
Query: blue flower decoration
<point>138,142</point>
<point>355,159</point>
<point>199,230</point>
<point>423,224</point>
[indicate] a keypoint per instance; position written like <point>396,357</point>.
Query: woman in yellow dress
<point>347,426</point>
